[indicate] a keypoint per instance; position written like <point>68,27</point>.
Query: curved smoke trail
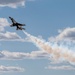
<point>57,52</point>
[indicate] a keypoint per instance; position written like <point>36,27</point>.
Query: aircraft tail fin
<point>19,28</point>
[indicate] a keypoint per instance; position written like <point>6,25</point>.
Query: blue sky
<point>46,47</point>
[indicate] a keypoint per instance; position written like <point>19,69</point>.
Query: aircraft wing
<point>21,24</point>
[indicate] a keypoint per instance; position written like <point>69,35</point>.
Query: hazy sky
<point>47,46</point>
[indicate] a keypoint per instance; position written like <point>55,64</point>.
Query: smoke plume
<point>58,53</point>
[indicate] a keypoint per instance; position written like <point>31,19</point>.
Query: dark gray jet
<point>18,25</point>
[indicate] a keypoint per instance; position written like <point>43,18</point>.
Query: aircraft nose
<point>9,17</point>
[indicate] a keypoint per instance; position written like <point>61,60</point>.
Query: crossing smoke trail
<point>57,53</point>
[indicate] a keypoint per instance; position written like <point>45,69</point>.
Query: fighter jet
<point>18,25</point>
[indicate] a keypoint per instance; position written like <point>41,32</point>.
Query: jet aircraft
<point>18,25</point>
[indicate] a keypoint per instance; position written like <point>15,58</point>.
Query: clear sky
<point>49,20</point>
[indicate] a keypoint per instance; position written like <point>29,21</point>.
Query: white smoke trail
<point>57,53</point>
<point>39,43</point>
